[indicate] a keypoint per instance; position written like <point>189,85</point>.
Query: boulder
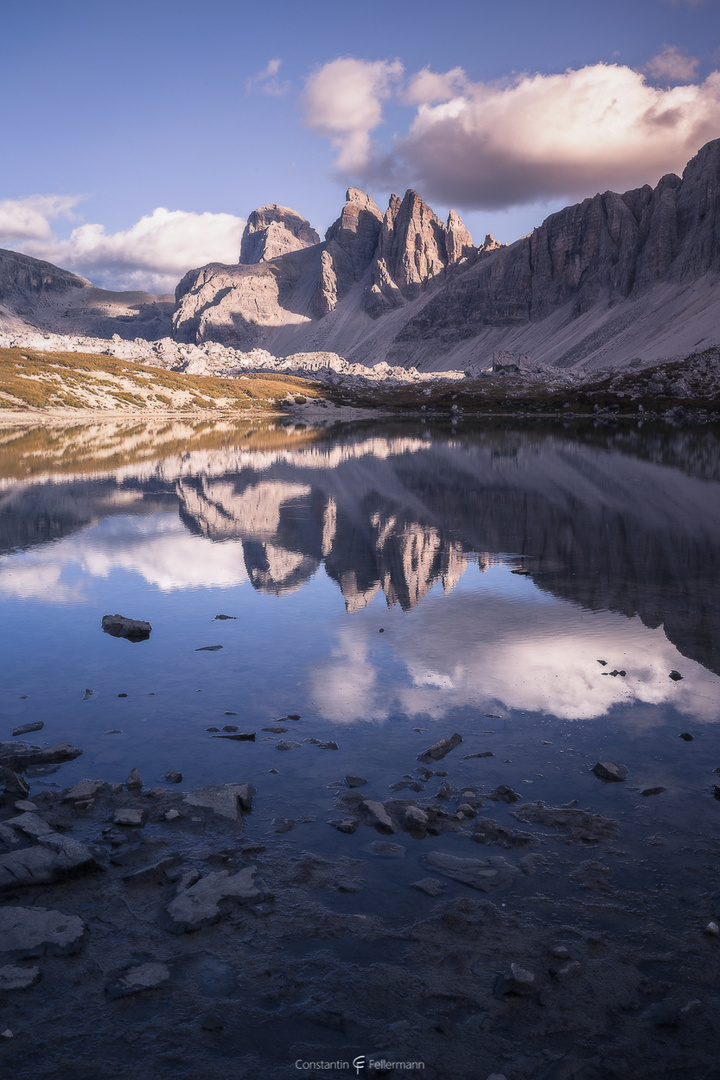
<point>19,756</point>
<point>439,749</point>
<point>608,770</point>
<point>227,800</point>
<point>122,626</point>
<point>53,858</point>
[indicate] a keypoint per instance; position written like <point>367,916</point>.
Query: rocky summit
<point>617,281</point>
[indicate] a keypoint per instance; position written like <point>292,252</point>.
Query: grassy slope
<point>36,380</point>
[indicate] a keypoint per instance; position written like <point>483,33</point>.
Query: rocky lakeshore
<point>189,933</point>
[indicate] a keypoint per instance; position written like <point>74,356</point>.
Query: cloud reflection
<point>486,649</point>
<point>158,547</point>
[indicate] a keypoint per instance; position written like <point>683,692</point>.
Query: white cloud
<point>672,65</point>
<point>343,100</point>
<point>29,218</point>
<point>566,135</point>
<point>426,87</point>
<point>267,81</point>
<point>538,137</point>
<point>152,254</point>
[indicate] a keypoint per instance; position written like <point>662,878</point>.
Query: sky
<point>139,134</point>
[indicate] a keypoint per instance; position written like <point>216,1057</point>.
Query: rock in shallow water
<point>38,932</point>
<point>121,626</point>
<point>201,903</point>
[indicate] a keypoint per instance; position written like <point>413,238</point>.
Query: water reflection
<point>618,536</point>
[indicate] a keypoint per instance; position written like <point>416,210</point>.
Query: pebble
<point>172,815</point>
<point>127,815</point>
<point>209,648</point>
<point>283,745</point>
<point>134,781</point>
<point>608,770</point>
<point>713,929</point>
<point>355,781</point>
<point>431,886</point>
<point>173,777</point>
<point>675,676</point>
<point>686,736</point>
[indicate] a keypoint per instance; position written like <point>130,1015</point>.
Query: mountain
<point>613,281</point>
<point>36,295</point>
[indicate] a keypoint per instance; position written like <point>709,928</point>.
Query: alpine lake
<point>327,605</point>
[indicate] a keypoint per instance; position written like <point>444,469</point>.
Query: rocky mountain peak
<point>458,241</point>
<point>273,230</point>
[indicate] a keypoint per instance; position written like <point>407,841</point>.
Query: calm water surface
<point>390,586</point>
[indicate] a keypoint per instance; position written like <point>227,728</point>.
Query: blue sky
<point>139,135</point>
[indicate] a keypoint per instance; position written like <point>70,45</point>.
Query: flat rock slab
<point>579,824</point>
<point>38,932</point>
<point>227,800</point>
<point>53,858</point>
<point>17,978</point>
<point>201,904</point>
<point>482,874</point>
<point>141,977</point>
<point>25,729</point>
<point>19,756</point>
<point>128,815</point>
<point>430,885</point>
<point>30,824</point>
<point>86,789</point>
<point>439,749</point>
<point>121,626</point>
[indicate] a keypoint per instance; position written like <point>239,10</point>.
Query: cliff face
<point>19,274</point>
<point>606,281</point>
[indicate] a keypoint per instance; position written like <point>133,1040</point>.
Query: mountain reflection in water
<point>617,535</point>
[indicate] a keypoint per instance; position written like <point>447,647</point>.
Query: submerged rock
<point>138,978</point>
<point>482,874</point>
<point>25,729</point>
<point>227,800</point>
<point>53,858</point>
<point>608,770</point>
<point>19,756</point>
<point>38,932</point>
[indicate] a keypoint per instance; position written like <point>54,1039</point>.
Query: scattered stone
<point>122,695</point>
<point>487,831</point>
<point>227,800</point>
<point>25,729</point>
<point>344,825</point>
<point>387,849</point>
<point>609,771</point>
<point>139,978</point>
<point>379,816</point>
<point>504,793</point>
<point>25,806</point>
<point>465,810</point>
<point>202,903</point>
<point>121,626</point>
<point>127,815</point>
<point>603,662</point>
<point>520,981</point>
<point>86,789</point>
<point>430,885</point>
<point>18,756</point>
<point>275,730</point>
<point>355,781</point>
<point>283,745</point>
<point>330,745</point>
<point>567,971</point>
<point>88,694</point>
<point>209,648</point>
<point>560,952</point>
<point>283,824</point>
<point>482,874</point>
<point>222,618</point>
<point>172,815</point>
<point>485,753</point>
<point>292,716</point>
<point>238,736</point>
<point>686,736</point>
<point>712,929</point>
<point>53,858</point>
<point>592,875</point>
<point>675,676</point>
<point>212,728</point>
<point>134,781</point>
<point>173,777</point>
<point>652,791</point>
<point>17,978</point>
<point>439,749</point>
<point>415,820</point>
<point>38,932</point>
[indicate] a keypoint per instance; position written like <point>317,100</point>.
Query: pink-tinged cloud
<point>672,65</point>
<point>343,100</point>
<point>538,137</point>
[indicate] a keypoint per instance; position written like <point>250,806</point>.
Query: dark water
<point>529,588</point>
<point>371,576</point>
